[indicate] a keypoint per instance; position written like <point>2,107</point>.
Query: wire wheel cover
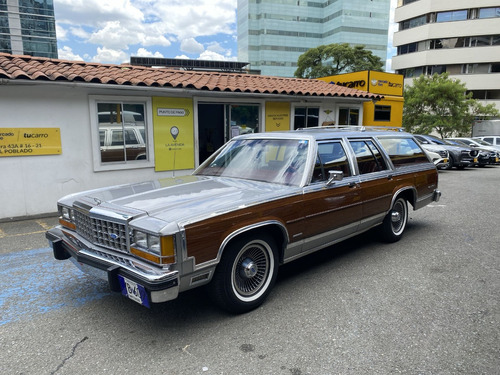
<point>251,269</point>
<point>398,217</point>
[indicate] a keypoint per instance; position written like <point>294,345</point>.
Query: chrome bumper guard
<point>436,196</point>
<point>160,285</point>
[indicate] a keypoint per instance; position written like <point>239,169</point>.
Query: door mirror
<point>334,176</point>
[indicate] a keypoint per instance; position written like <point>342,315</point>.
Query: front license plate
<point>475,160</point>
<point>134,291</point>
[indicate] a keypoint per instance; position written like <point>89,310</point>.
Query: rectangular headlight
<point>152,247</point>
<point>67,218</point>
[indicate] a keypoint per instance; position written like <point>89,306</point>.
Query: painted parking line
<point>32,283</point>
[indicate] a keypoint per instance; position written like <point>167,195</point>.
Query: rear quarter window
<point>403,151</point>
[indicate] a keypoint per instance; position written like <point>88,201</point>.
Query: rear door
<point>376,181</point>
<point>332,212</point>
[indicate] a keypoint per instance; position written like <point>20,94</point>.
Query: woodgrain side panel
<point>204,238</point>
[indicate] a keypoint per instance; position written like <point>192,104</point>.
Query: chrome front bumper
<point>161,285</point>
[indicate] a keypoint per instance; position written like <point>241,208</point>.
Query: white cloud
<point>145,53</point>
<point>66,53</point>
<point>107,55</point>
<point>123,25</point>
<point>210,55</point>
<point>79,32</point>
<point>216,47</point>
<point>61,33</point>
<point>190,45</point>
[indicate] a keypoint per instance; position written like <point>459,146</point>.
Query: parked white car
<point>491,139</point>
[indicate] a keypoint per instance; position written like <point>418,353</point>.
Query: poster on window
<point>277,116</point>
<point>173,130</point>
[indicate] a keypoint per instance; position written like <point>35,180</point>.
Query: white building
<point>461,37</point>
<point>272,34</point>
<point>69,126</point>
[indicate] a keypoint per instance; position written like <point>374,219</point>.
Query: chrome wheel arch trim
<point>240,231</point>
<point>413,192</point>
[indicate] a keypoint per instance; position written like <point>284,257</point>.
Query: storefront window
<point>349,116</point>
<point>382,113</point>
<point>122,135</point>
<point>243,119</point>
<point>306,117</point>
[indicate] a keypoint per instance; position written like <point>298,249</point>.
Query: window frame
<point>99,166</point>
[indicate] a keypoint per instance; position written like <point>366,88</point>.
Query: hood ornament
<point>97,201</point>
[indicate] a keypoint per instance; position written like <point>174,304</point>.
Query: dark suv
<point>460,156</point>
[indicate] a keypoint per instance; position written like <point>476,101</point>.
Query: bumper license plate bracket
<point>136,292</point>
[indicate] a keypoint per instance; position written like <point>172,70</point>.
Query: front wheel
<point>246,273</point>
<point>395,221</point>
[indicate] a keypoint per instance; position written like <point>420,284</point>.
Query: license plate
<point>134,291</point>
<point>475,160</point>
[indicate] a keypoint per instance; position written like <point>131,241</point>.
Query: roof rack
<point>361,128</point>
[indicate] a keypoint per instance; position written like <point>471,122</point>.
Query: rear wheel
<point>395,221</point>
<point>246,273</point>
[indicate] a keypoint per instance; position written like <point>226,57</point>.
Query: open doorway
<point>218,123</point>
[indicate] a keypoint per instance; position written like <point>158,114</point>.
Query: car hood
<point>180,199</point>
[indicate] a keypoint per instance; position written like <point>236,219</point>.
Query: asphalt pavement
<point>429,304</point>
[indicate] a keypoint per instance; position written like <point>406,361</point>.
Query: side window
<point>403,151</point>
<point>368,157</point>
<point>331,157</point>
<point>124,121</point>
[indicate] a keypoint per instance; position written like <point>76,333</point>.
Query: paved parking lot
<point>429,304</point>
<point>25,234</point>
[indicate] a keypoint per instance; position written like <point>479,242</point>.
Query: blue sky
<point>110,31</point>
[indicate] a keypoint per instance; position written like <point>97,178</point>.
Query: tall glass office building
<point>272,34</point>
<point>28,27</point>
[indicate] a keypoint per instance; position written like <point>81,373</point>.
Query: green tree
<point>439,103</point>
<point>331,59</point>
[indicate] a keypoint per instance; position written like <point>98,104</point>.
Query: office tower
<point>272,34</point>
<point>460,37</point>
<point>27,27</point>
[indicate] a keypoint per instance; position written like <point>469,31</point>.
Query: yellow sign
<point>386,83</point>
<point>370,81</point>
<point>277,116</point>
<point>173,130</point>
<point>30,141</point>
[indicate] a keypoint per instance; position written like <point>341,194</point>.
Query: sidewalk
<point>25,234</point>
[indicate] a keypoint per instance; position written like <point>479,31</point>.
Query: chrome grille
<point>101,232</point>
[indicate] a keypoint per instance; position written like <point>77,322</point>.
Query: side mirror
<point>334,176</point>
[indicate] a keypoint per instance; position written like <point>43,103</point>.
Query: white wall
<point>31,185</point>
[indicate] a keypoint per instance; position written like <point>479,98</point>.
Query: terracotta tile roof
<point>31,68</point>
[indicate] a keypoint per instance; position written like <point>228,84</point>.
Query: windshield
<point>481,142</point>
<point>280,161</point>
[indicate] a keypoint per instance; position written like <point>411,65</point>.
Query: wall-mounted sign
<point>173,112</point>
<point>277,116</point>
<point>173,130</point>
<point>30,141</point>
